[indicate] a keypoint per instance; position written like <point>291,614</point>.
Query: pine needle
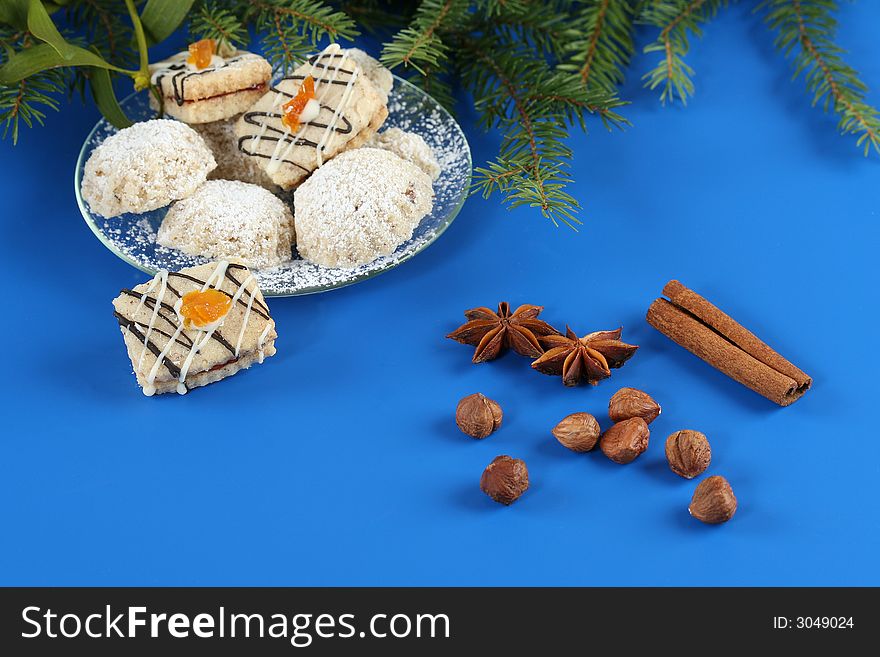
<point>677,19</point>
<point>210,20</point>
<point>808,28</point>
<point>532,106</point>
<point>420,45</point>
<point>602,49</point>
<point>292,28</point>
<point>28,101</point>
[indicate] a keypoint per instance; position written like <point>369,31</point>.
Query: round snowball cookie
<point>360,205</point>
<point>145,167</point>
<point>408,145</point>
<point>231,220</point>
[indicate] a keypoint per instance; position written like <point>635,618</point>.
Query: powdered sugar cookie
<point>325,107</point>
<point>145,167</point>
<point>359,206</point>
<point>409,146</point>
<point>231,220</point>
<point>203,86</point>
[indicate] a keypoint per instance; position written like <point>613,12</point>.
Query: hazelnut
<point>629,402</point>
<point>713,501</point>
<point>623,442</point>
<point>505,479</point>
<point>688,453</point>
<point>478,416</point>
<point>578,431</point>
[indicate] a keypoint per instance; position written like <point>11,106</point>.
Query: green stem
<point>142,76</point>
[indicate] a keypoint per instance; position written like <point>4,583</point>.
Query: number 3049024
<point>823,622</point>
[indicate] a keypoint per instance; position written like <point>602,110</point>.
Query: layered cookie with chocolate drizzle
<point>337,107</point>
<point>203,85</point>
<point>190,328</point>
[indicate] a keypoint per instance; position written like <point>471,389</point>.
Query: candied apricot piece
<point>293,108</point>
<point>202,308</point>
<point>201,52</point>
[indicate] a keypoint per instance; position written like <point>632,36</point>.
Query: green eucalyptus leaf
<point>105,98</point>
<point>43,56</point>
<point>161,17</point>
<point>41,26</point>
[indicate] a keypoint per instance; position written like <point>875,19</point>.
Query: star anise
<point>589,358</point>
<point>493,333</point>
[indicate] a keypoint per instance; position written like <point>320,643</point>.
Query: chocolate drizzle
<point>180,74</point>
<point>258,309</point>
<point>261,119</point>
<point>150,302</point>
<point>130,325</point>
<point>258,305</point>
<point>167,314</point>
<point>328,55</point>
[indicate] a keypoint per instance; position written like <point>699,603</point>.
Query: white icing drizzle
<point>247,313</point>
<point>166,67</point>
<point>146,293</point>
<point>262,341</point>
<point>162,278</point>
<point>328,131</point>
<point>280,100</point>
<point>197,345</point>
<point>203,335</point>
<point>219,274</point>
<point>277,155</point>
<point>150,389</point>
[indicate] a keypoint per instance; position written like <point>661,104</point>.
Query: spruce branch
<point>604,45</point>
<point>532,106</point>
<point>546,26</point>
<point>213,21</point>
<point>28,100</point>
<point>420,45</point>
<point>677,19</point>
<point>293,28</point>
<point>810,26</point>
<point>494,9</point>
<point>535,69</point>
<point>575,103</point>
<point>377,16</point>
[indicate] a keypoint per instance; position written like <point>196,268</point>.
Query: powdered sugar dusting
<point>361,204</point>
<point>133,237</point>
<point>228,219</point>
<point>409,146</point>
<point>145,167</point>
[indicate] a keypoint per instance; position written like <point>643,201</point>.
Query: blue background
<point>338,462</point>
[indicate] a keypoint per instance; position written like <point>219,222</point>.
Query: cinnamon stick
<point>693,322</point>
